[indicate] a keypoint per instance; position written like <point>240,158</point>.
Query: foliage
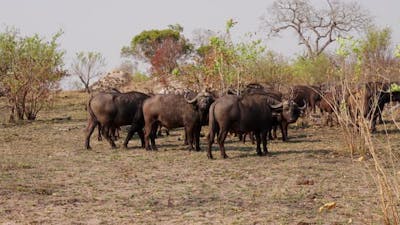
<point>271,68</point>
<point>369,57</point>
<point>376,50</point>
<point>313,70</point>
<point>161,48</point>
<point>349,49</point>
<point>30,69</point>
<point>87,66</point>
<point>397,51</point>
<point>224,64</point>
<point>139,77</point>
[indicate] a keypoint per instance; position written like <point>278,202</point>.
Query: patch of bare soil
<point>46,177</point>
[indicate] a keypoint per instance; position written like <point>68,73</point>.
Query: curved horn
<point>192,100</point>
<point>276,106</point>
<point>304,105</point>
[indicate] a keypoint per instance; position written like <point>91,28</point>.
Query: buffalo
<point>241,114</point>
<point>306,93</point>
<point>282,117</point>
<point>111,110</point>
<point>173,111</point>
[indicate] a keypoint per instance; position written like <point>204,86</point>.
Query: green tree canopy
<point>30,68</point>
<point>160,48</point>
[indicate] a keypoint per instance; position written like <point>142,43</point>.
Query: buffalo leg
<point>152,137</point>
<point>258,139</point>
<point>275,128</point>
<point>189,134</point>
<point>147,134</point>
<point>159,133</point>
<point>141,136</point>
<point>99,136</point>
<point>211,136</point>
<point>197,138</point>
<point>284,127</point>
<point>270,134</point>
<point>89,130</point>
<point>221,140</point>
<point>131,132</point>
<point>106,133</point>
<point>264,142</point>
<point>185,142</point>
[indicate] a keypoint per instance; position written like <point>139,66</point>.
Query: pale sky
<point>106,26</point>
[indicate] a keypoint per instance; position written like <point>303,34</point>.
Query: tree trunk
<point>87,88</point>
<point>12,118</point>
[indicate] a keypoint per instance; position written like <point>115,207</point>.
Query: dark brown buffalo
<point>281,118</point>
<point>173,111</point>
<point>306,93</point>
<point>241,114</point>
<point>112,110</point>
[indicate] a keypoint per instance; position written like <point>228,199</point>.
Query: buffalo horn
<point>276,106</point>
<point>193,100</point>
<point>304,105</point>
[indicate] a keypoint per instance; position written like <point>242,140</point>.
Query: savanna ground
<point>47,177</point>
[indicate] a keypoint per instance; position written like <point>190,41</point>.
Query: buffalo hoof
<point>260,154</point>
<point>225,156</point>
<point>209,156</point>
<point>88,148</point>
<point>198,149</point>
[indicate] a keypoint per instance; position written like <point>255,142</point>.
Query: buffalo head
<point>289,109</point>
<point>201,101</point>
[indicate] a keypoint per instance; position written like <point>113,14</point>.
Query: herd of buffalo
<point>256,110</point>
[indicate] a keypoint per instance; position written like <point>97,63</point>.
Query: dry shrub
<point>360,141</point>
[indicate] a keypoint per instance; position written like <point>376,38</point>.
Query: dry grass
<point>46,177</point>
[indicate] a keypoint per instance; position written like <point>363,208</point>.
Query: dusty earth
<point>47,177</point>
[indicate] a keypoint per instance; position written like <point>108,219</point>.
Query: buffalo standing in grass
<point>173,111</point>
<point>112,110</point>
<point>282,117</point>
<point>248,113</point>
<point>309,94</point>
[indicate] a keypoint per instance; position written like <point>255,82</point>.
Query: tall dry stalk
<point>361,141</point>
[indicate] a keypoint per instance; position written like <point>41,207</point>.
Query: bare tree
<point>87,66</point>
<point>315,28</point>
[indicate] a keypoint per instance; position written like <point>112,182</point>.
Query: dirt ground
<point>47,177</point>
